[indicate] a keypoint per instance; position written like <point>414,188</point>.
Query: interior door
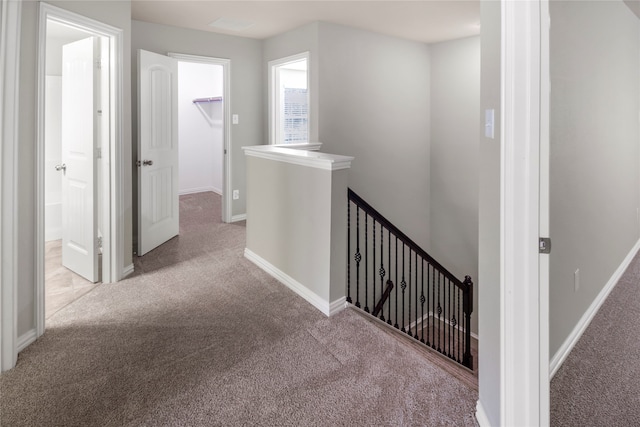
<point>158,205</point>
<point>80,93</point>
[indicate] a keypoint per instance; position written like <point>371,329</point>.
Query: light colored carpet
<point>199,336</point>
<point>599,383</point>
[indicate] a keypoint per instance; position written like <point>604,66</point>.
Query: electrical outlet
<point>236,194</point>
<point>576,280</point>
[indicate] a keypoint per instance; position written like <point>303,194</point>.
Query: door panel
<point>158,203</point>
<point>79,140</point>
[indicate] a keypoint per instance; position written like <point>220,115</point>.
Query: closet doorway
<point>203,135</point>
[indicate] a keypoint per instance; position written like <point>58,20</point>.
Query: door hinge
<point>545,245</point>
<point>99,243</point>
<point>99,64</point>
<point>99,153</point>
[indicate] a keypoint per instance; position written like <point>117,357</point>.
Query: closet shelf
<point>212,99</point>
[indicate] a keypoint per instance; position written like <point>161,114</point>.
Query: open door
<point>158,204</point>
<point>80,105</point>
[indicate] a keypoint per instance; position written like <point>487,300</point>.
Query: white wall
<point>201,131</point>
<point>595,155</point>
<point>375,106</point>
<point>455,127</point>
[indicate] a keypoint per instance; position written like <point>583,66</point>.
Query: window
<point>289,100</point>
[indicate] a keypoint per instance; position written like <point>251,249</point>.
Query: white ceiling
<point>425,21</point>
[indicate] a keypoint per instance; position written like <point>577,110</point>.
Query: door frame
<point>524,218</point>
<point>10,29</point>
<point>226,113</point>
<point>113,226</point>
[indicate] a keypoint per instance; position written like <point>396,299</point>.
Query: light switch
<point>235,119</point>
<point>489,121</point>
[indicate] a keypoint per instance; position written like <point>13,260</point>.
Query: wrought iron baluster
<point>395,325</point>
<point>373,264</point>
<point>433,309</point>
<point>349,252</point>
<point>422,300</point>
<point>449,318</point>
<point>428,312</point>
<point>382,272</point>
<point>467,359</point>
<point>439,314</point>
<point>358,256</point>
<point>389,265</point>
<point>366,262</point>
<point>415,332</point>
<point>403,285</point>
<point>409,300</point>
<point>458,312</point>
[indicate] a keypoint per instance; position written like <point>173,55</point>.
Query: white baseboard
<point>314,299</point>
<point>240,217</point>
<point>127,270</point>
<point>26,339</point>
<point>481,416</point>
<point>566,347</point>
<point>200,190</point>
<point>337,306</point>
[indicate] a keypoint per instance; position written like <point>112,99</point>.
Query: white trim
<point>310,146</point>
<point>127,270</point>
<point>27,339</point>
<point>200,190</point>
<point>312,159</point>
<point>312,298</point>
<point>271,99</point>
<point>113,226</point>
<point>481,416</point>
<point>337,306</point>
<point>227,202</point>
<point>566,347</point>
<point>10,23</point>
<point>522,329</point>
<point>238,218</point>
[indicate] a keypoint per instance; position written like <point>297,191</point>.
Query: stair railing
<point>430,304</point>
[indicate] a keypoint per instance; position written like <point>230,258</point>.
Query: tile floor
<point>61,285</point>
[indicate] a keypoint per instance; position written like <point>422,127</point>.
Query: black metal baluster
<point>448,317</point>
<point>458,312</point>
<point>349,252</point>
<point>389,265</point>
<point>433,309</point>
<point>409,320</point>
<point>403,285</point>
<point>439,314</point>
<point>373,264</point>
<point>382,272</point>
<point>422,300</point>
<point>396,324</point>
<point>366,262</point>
<point>358,256</point>
<point>467,359</point>
<point>415,333</point>
<point>428,313</point>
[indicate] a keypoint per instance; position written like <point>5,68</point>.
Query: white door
<point>158,207</point>
<point>80,93</point>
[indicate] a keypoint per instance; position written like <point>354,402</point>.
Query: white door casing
<point>158,208</point>
<point>80,103</point>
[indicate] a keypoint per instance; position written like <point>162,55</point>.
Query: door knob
<point>61,167</point>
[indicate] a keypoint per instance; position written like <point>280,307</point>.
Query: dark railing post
<point>467,302</point>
